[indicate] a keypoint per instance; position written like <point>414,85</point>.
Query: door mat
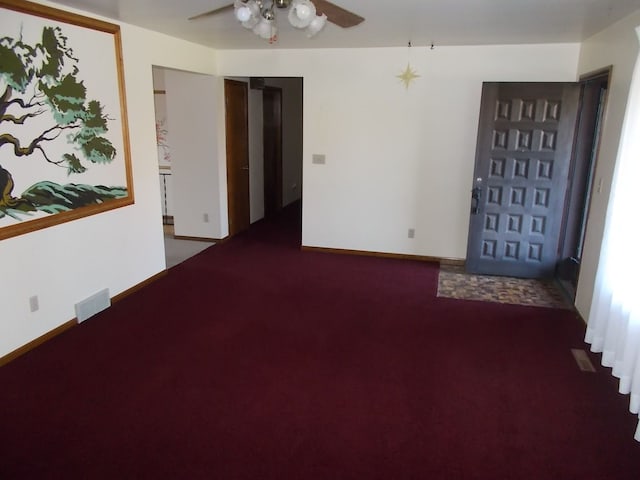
<point>454,282</point>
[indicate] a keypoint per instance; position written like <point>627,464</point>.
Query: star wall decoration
<point>408,76</point>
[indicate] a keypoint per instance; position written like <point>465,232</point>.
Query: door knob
<point>476,195</point>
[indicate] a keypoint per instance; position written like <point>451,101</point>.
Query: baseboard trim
<point>138,287</point>
<point>198,239</point>
<point>397,256</point>
<point>37,342</point>
<point>9,357</point>
<point>453,262</point>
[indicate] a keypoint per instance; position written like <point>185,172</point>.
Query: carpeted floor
<point>254,360</point>
<point>454,282</point>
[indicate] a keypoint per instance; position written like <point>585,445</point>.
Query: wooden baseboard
<point>73,322</point>
<point>139,286</point>
<point>200,239</point>
<point>397,256</point>
<point>454,262</point>
<point>37,342</point>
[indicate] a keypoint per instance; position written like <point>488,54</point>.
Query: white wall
<point>395,158</point>
<point>116,249</point>
<point>616,46</point>
<point>192,121</point>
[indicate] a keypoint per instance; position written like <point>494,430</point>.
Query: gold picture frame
<point>64,136</point>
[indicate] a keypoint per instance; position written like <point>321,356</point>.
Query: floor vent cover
<point>583,361</point>
<point>94,304</point>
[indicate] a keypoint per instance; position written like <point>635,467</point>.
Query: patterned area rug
<point>454,282</point>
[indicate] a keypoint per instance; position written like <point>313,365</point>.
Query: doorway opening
<point>593,98</point>
<point>272,167</point>
<point>186,109</point>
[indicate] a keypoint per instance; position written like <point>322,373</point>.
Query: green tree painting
<point>43,100</point>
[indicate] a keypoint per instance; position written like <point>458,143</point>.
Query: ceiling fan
<point>334,14</point>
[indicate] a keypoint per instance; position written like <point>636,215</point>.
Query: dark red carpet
<point>254,360</point>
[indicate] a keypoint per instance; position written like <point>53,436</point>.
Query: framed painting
<point>64,139</point>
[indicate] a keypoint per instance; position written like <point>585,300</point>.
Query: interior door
<point>525,140</point>
<point>237,137</point>
<point>272,116</point>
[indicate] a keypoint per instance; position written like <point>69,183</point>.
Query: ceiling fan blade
<point>338,15</point>
<point>213,12</point>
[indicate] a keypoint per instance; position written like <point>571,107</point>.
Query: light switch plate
<point>318,159</point>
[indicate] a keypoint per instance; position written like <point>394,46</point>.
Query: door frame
<point>586,151</point>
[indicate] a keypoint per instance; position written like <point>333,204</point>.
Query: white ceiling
<point>388,22</point>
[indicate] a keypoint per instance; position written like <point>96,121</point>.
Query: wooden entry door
<point>272,116</point>
<point>525,140</point>
<point>237,137</point>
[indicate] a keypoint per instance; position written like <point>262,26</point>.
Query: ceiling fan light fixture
<point>260,15</point>
<point>269,14</point>
<point>301,13</point>
<point>243,14</point>
<point>247,12</point>
<point>266,29</point>
<point>251,23</point>
<point>316,26</point>
<point>305,10</point>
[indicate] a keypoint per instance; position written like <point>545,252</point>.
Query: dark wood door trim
<point>237,148</point>
<point>602,73</point>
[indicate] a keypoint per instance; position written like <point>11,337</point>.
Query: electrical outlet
<point>411,233</point>
<point>205,218</point>
<point>34,305</point>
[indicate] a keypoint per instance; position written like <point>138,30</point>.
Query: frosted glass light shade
<point>247,13</point>
<point>304,11</point>
<point>265,29</point>
<point>316,25</point>
<point>243,13</point>
<point>301,13</point>
<point>252,22</point>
